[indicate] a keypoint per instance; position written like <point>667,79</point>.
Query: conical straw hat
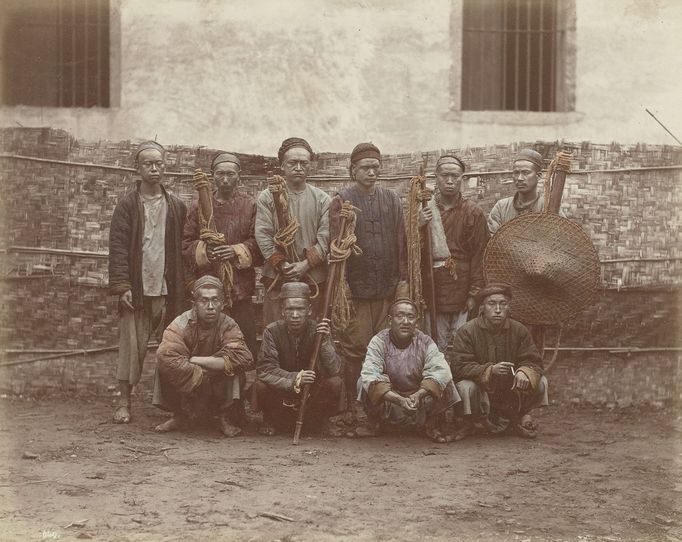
<point>550,264</point>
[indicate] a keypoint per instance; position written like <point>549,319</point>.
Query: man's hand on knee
<point>521,382</point>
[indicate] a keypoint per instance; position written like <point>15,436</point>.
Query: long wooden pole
<point>332,279</point>
<point>428,262</point>
<point>563,167</point>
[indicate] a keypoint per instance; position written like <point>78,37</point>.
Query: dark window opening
<point>56,53</point>
<point>512,55</point>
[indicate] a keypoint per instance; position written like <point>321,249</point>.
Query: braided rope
<point>213,238</point>
<point>339,252</point>
<point>285,236</point>
<point>418,194</point>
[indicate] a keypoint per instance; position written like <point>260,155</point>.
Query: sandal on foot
<point>527,427</point>
<point>363,430</point>
<point>122,414</point>
<point>267,430</point>
<point>435,435</point>
<point>227,429</point>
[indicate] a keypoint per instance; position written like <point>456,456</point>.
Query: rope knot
<point>425,193</point>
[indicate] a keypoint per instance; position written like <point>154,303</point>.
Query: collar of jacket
<point>437,197</point>
<point>480,320</point>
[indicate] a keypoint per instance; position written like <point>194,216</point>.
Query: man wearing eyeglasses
<point>527,172</point>
<point>199,362</point>
<point>459,234</point>
<point>497,369</point>
<point>309,207</point>
<point>145,266</point>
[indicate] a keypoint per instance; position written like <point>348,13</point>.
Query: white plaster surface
<point>242,75</point>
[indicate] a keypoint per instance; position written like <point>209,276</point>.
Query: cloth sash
<point>439,243</point>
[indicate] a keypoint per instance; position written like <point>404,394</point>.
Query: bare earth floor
<point>591,475</point>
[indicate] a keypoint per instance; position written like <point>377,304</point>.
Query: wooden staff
<point>333,276</point>
<point>428,257</point>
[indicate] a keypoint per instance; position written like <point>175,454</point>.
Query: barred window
<point>56,53</point>
<point>514,55</point>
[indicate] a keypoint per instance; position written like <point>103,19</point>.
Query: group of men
<point>483,363</point>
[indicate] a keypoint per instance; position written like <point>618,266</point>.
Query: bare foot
<point>329,429</point>
<point>171,424</point>
<point>363,430</point>
<point>227,429</point>
<point>122,414</point>
<point>465,428</point>
<point>435,435</point>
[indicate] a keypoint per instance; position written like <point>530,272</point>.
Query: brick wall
<point>57,300</point>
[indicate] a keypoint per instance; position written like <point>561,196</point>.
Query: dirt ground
<point>591,475</point>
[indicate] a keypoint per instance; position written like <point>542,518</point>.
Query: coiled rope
<point>418,194</point>
<point>339,252</point>
<point>209,234</point>
<point>285,236</point>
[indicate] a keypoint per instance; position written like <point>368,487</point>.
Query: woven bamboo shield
<point>550,264</point>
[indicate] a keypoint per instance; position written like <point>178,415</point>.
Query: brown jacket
<point>476,347</point>
<point>125,251</point>
<point>466,232</point>
<point>236,219</point>
<point>184,338</point>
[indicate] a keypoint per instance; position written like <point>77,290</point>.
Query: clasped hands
<point>220,253</point>
<point>411,402</point>
<point>294,271</point>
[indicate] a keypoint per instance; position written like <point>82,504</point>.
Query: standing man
<point>527,172</point>
<point>459,234</point>
<point>497,368</point>
<point>283,366</point>
<point>200,360</point>
<point>234,213</point>
<point>375,275</point>
<point>405,380</point>
<point>145,266</point>
<point>309,207</point>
